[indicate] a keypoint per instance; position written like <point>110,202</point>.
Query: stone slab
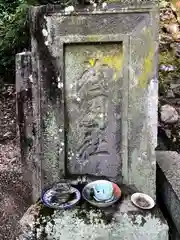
<point>24,114</point>
<point>54,29</point>
<point>121,221</point>
<point>93,98</point>
<point>168,186</point>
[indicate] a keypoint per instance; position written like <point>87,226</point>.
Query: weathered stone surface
<point>25,113</point>
<point>93,92</point>
<point>123,221</point>
<point>48,110</point>
<point>82,2</point>
<point>168,186</point>
<point>142,107</point>
<point>170,94</point>
<point>169,114</point>
<point>27,222</point>
<point>129,84</point>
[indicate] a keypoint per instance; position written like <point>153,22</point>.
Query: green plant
<point>14,34</point>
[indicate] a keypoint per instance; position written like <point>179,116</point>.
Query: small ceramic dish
<point>142,201</point>
<point>116,194</point>
<point>48,194</point>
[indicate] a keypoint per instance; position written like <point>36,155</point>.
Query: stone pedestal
<point>121,221</point>
<point>168,189</point>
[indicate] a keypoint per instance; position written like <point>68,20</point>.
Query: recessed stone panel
<point>93,79</point>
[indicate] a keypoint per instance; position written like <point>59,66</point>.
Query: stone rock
<point>167,15</point>
<point>169,192</point>
<point>168,133</point>
<point>88,128</point>
<point>125,221</point>
<point>171,28</point>
<point>174,85</point>
<point>176,48</point>
<point>170,94</point>
<point>176,90</point>
<point>169,114</point>
<point>27,222</point>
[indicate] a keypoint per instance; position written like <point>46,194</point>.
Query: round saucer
<point>142,201</point>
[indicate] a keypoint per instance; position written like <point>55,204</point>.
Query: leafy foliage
<point>14,32</point>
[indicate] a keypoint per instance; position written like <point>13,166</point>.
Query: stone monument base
<point>121,221</point>
<point>168,189</point>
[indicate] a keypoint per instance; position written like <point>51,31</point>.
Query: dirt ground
<point>14,194</point>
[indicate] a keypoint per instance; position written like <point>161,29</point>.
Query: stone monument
<point>92,94</point>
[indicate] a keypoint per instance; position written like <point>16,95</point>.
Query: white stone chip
<point>69,9</point>
<point>45,32</point>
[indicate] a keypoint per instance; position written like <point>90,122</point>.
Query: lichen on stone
<point>147,68</point>
<point>69,225</point>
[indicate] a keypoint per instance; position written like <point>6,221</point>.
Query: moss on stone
<point>95,38</point>
<point>45,211</point>
<point>148,61</point>
<point>113,60</point>
<point>147,68</point>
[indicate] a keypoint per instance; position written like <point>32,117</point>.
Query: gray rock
<point>126,222</point>
<point>27,222</point>
<point>176,90</point>
<point>170,94</point>
<point>169,192</point>
<point>169,114</point>
<point>174,85</point>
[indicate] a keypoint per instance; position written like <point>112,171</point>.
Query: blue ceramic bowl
<point>102,204</point>
<point>66,205</point>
